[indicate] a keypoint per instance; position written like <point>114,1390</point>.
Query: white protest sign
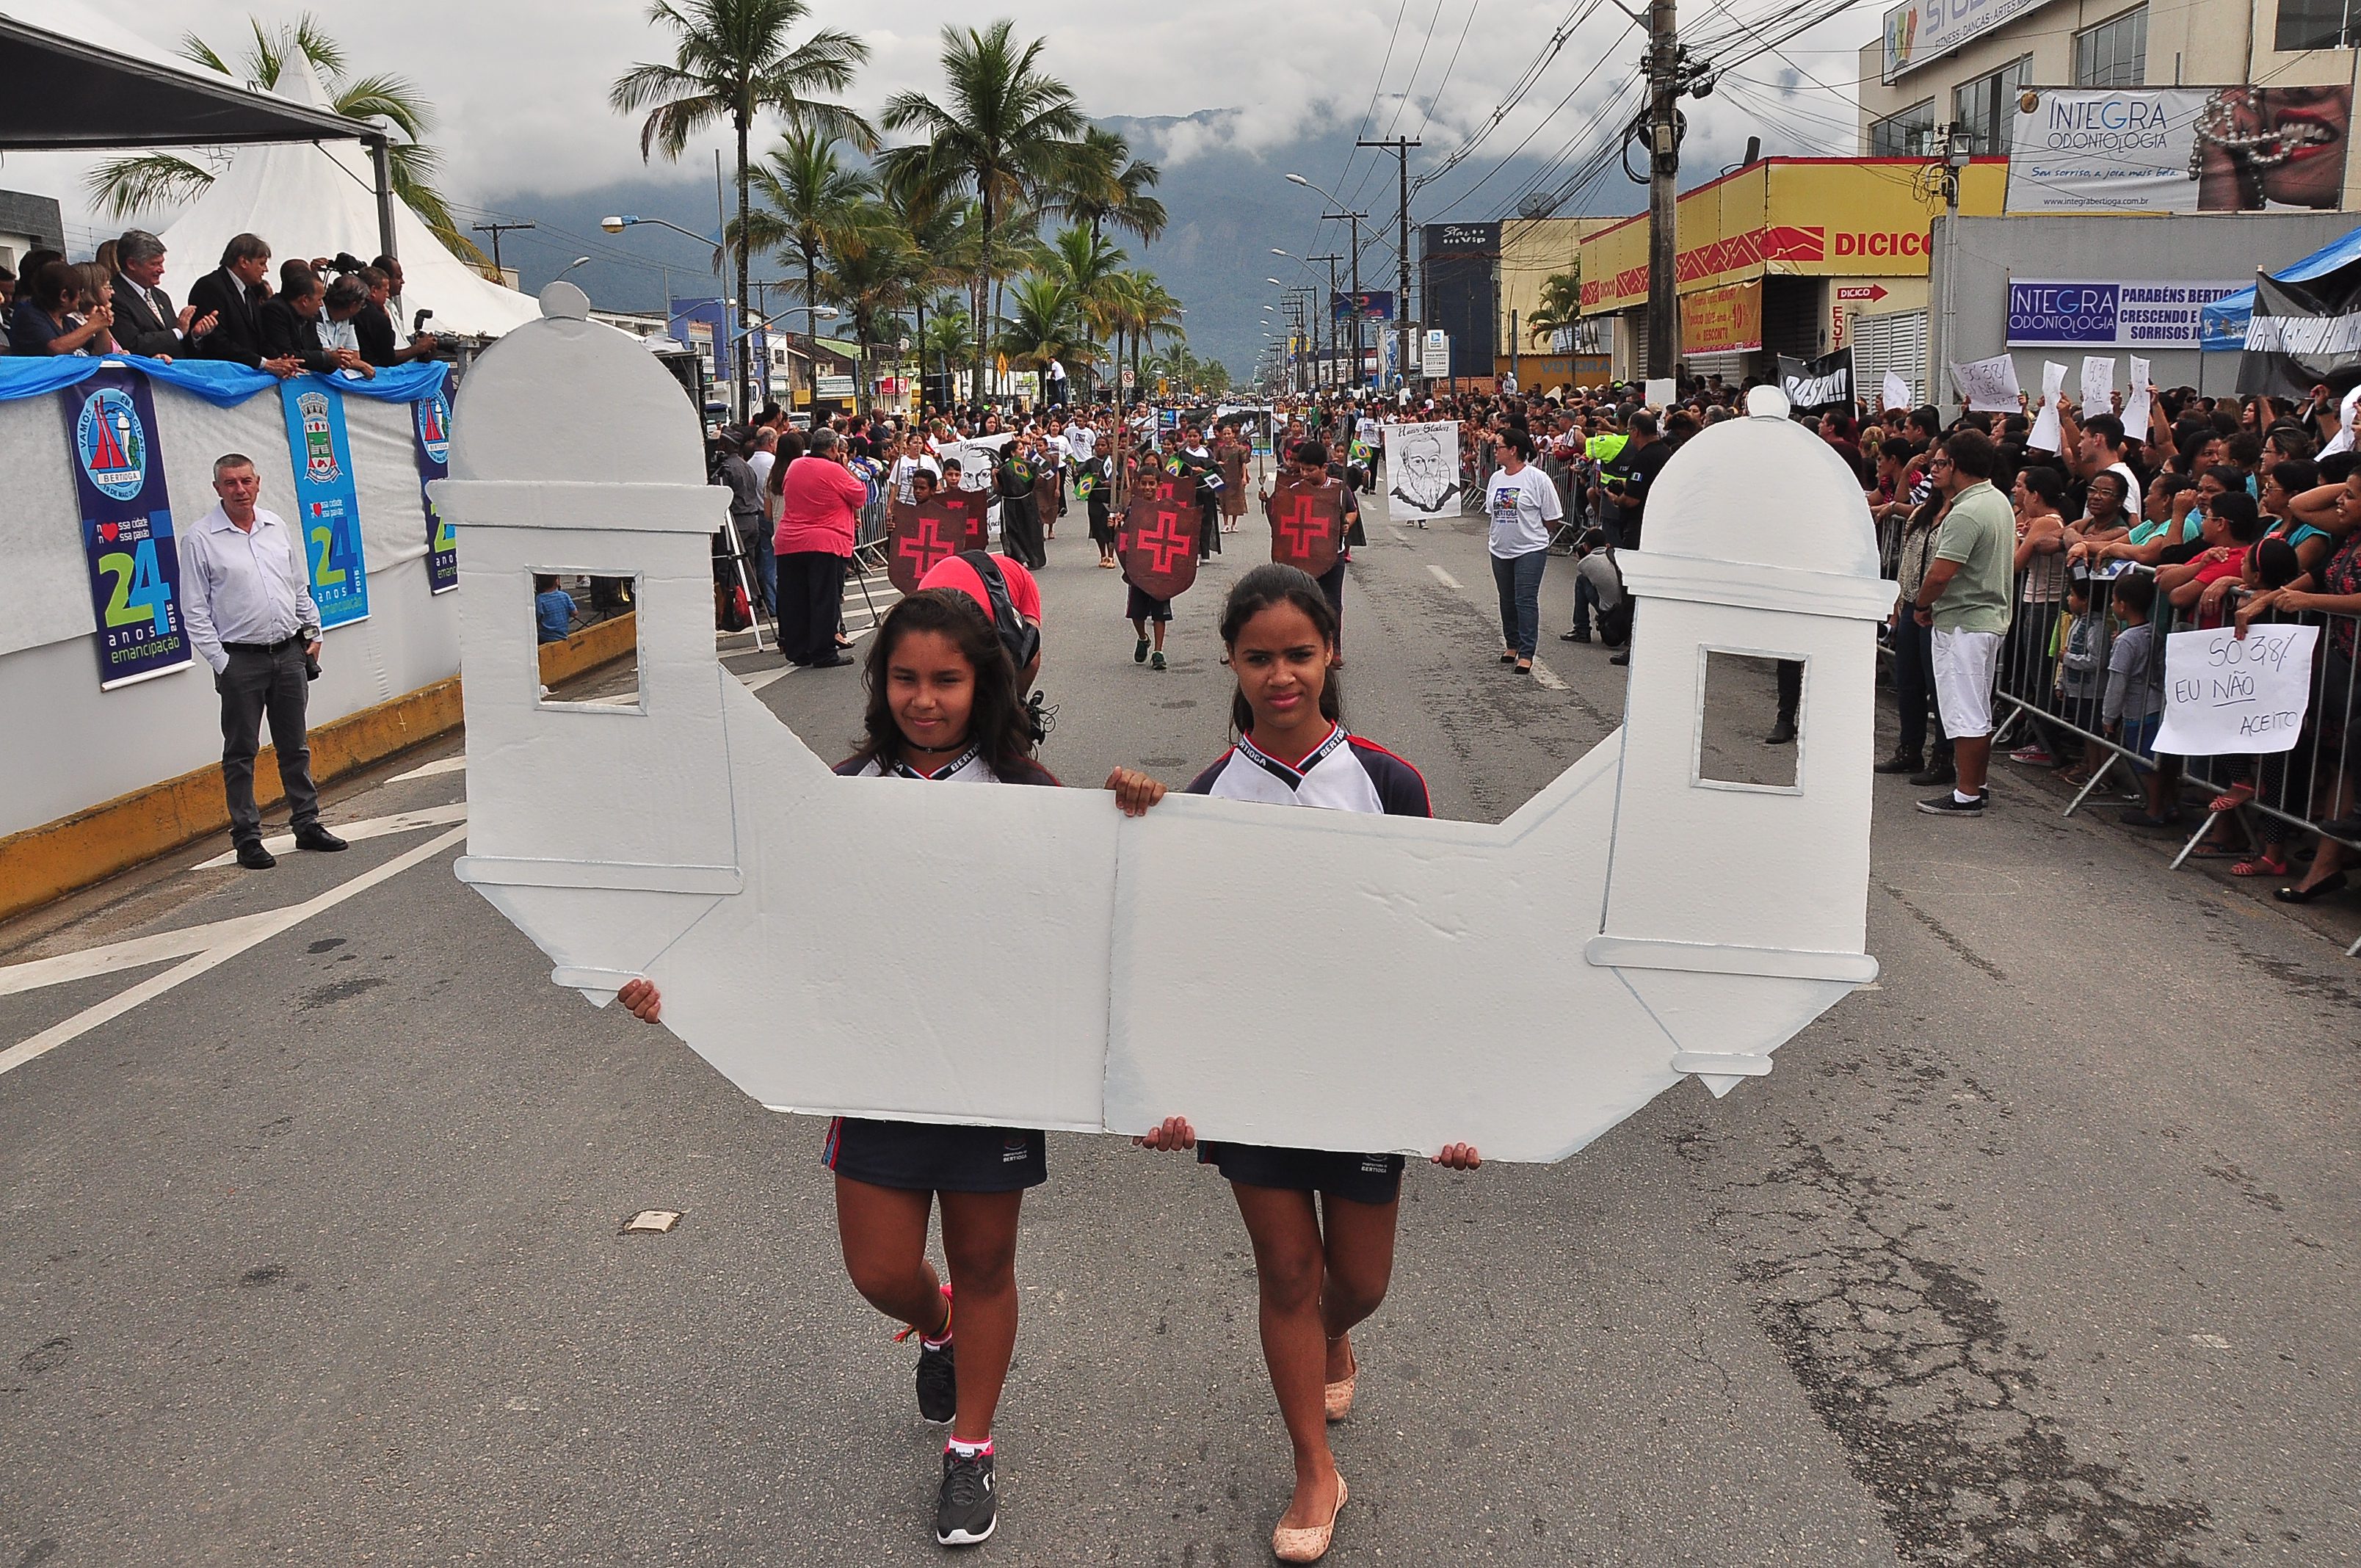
<point>2225,694</point>
<point>1421,471</point>
<point>1661,392</point>
<point>2098,383</point>
<point>2136,402</point>
<point>2048,435</point>
<point>1895,394</point>
<point>1989,385</point>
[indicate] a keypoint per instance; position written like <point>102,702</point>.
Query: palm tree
<point>1087,266</point>
<point>121,186</point>
<point>731,61</point>
<point>1044,323</point>
<point>1156,313</point>
<point>813,206</point>
<point>1004,133</point>
<point>1107,185</point>
<point>941,338</point>
<point>1561,304</point>
<point>872,283</point>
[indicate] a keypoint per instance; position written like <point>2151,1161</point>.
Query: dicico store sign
<point>1802,218</point>
<point>2110,315</point>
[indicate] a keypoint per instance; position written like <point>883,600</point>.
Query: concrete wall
<point>2129,250</point>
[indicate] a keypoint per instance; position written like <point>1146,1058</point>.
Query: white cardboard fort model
<point>1029,957</point>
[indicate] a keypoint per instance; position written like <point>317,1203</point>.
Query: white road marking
<point>374,827</point>
<point>458,764</point>
<point>65,968</point>
<point>1445,578</point>
<point>263,929</point>
<point>1401,535</point>
<point>1548,678</point>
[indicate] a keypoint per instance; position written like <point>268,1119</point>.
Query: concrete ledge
<point>41,863</point>
<point>46,862</point>
<point>590,648</point>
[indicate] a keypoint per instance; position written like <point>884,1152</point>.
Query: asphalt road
<point>2039,1252</point>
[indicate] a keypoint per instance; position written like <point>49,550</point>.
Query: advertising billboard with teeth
<point>2178,149</point>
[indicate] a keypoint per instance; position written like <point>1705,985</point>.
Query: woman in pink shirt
<point>820,506</point>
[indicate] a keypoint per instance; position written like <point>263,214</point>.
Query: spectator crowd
<point>326,314</point>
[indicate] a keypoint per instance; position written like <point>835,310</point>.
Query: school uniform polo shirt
<point>1344,773</point>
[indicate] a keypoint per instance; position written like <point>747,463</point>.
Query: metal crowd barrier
<point>2052,683</point>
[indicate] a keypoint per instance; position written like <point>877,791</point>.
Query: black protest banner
<point>2303,335</point>
<point>1813,385</point>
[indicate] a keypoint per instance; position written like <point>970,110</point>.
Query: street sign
<point>1436,361</point>
<point>1870,292</point>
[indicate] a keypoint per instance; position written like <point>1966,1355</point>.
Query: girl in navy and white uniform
<point>943,706</point>
<point>1322,1222</point>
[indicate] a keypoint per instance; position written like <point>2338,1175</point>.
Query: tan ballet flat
<point>1340,1393</point>
<point>1307,1545</point>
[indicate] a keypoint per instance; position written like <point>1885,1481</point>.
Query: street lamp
<point>618,223</point>
<point>578,261</point>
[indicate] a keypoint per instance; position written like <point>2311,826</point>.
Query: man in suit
<point>234,297</point>
<point>145,321</point>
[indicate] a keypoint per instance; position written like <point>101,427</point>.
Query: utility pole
<point>1401,146</point>
<point>1666,80</point>
<point>1355,219</point>
<point>496,230</point>
<point>1327,311</point>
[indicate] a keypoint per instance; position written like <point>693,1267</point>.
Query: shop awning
<point>2221,326</point>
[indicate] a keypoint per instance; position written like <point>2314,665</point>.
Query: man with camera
<point>246,601</point>
<point>374,324</point>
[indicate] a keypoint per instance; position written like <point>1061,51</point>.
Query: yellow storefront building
<point>1793,256</point>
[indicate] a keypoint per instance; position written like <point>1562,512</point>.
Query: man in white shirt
<point>246,601</point>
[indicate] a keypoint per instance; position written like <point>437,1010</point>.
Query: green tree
<point>121,186</point>
<point>1561,304</point>
<point>1105,185</point>
<point>813,206</point>
<point>872,283</point>
<point>1088,266</point>
<point>1004,132</point>
<point>732,62</point>
<point>1044,323</point>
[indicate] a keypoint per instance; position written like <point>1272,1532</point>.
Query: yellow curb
<point>46,862</point>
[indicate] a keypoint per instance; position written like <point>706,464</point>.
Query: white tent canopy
<point>311,199</point>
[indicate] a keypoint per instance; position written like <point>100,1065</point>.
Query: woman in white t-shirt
<point>1521,503</point>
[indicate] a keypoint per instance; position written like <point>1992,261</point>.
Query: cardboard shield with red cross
<point>1157,541</point>
<point>923,536</point>
<point>1307,524</point>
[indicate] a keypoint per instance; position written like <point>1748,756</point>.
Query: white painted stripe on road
<point>279,920</point>
<point>1445,578</point>
<point>134,953</point>
<point>458,764</point>
<point>1548,678</point>
<point>374,827</point>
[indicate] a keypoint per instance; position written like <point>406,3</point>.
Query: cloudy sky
<point>521,83</point>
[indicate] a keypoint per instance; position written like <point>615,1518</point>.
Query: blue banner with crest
<point>430,425</point>
<point>127,526</point>
<point>328,513</point>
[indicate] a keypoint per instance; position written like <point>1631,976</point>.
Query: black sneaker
<point>1622,658</point>
<point>1579,635</point>
<point>1948,803</point>
<point>1941,772</point>
<point>1901,762</point>
<point>937,1387</point>
<point>965,1509</point>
